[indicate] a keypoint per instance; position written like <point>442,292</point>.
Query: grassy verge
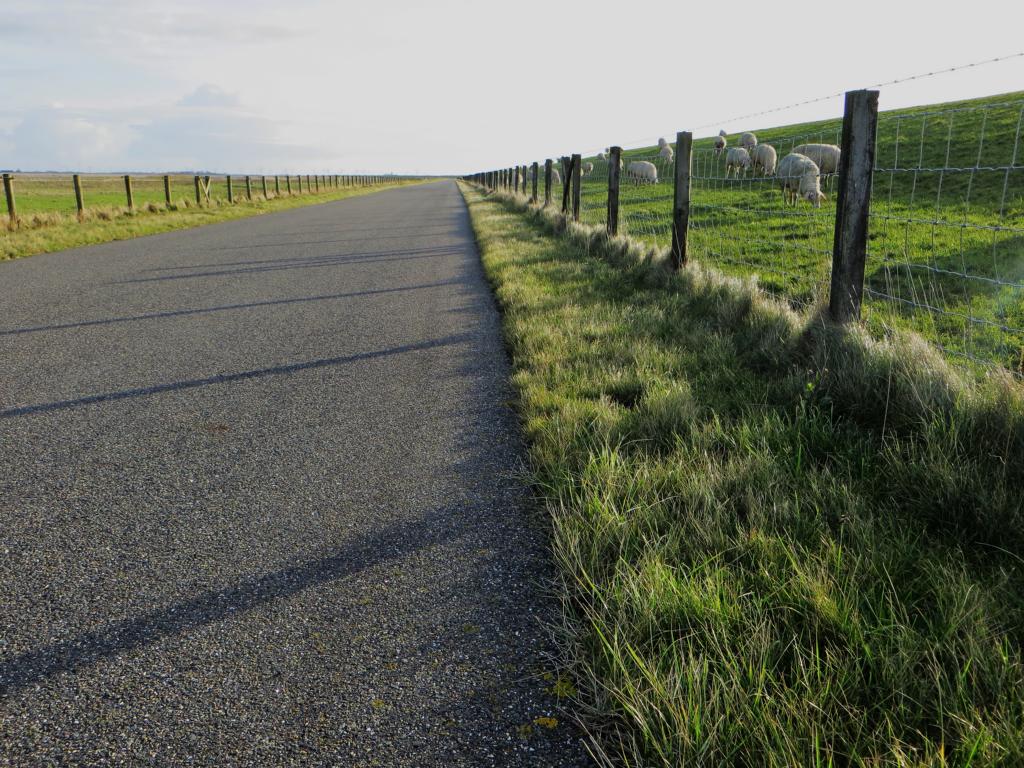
<point>44,233</point>
<point>780,543</point>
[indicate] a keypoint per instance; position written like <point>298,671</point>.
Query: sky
<point>453,86</point>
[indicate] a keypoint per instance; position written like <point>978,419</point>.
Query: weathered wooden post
<point>264,186</point>
<point>566,183</point>
<point>298,178</point>
<point>853,202</point>
<point>76,180</point>
<point>316,182</point>
<point>12,208</point>
<point>277,185</point>
<point>199,193</point>
<point>167,189</point>
<point>288,183</point>
<point>536,169</point>
<point>231,196</point>
<point>547,182</point>
<point>129,198</point>
<point>248,188</point>
<point>613,190</point>
<point>681,198</point>
<point>577,174</point>
<point>516,181</point>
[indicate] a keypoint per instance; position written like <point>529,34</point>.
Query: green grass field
<point>946,249</point>
<point>49,221</point>
<point>781,543</point>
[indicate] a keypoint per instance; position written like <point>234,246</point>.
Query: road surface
<point>262,501</point>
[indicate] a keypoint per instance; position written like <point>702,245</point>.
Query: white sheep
<point>825,156</point>
<point>764,159</point>
<point>662,143</point>
<point>556,177</point>
<point>748,141</point>
<point>667,153</point>
<point>799,177</point>
<point>642,172</point>
<point>587,169</point>
<point>720,143</point>
<point>736,159</point>
<point>602,156</point>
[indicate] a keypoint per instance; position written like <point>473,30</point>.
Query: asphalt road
<point>261,501</point>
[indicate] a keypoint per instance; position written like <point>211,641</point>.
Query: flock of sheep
<point>799,172</point>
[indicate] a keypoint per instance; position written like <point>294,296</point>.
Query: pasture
<point>946,238</point>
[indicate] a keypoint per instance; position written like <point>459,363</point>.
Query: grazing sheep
<point>642,172</point>
<point>602,156</point>
<point>799,177</point>
<point>736,159</point>
<point>764,159</point>
<point>825,156</point>
<point>556,177</point>
<point>720,143</point>
<point>587,169</point>
<point>667,153</point>
<point>662,143</point>
<point>748,141</point>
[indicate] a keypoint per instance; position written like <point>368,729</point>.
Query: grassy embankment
<point>947,200</point>
<point>46,208</point>
<point>780,543</point>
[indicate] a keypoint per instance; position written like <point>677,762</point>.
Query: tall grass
<point>780,542</point>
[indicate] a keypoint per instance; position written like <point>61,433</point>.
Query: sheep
<point>736,159</point>
<point>764,159</point>
<point>587,169</point>
<point>643,172</point>
<point>662,143</point>
<point>825,156</point>
<point>667,153</point>
<point>720,143</point>
<point>799,177</point>
<point>748,141</point>
<point>556,177</point>
<point>602,156</point>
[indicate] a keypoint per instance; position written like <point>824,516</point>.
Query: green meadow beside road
<point>781,543</point>
<point>946,248</point>
<point>46,207</point>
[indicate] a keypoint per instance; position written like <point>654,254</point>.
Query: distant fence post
<point>167,189</point>
<point>288,183</point>
<point>856,166</point>
<point>577,172</point>
<point>316,182</point>
<point>681,198</point>
<point>248,188</point>
<point>516,181</point>
<point>128,192</point>
<point>264,186</point>
<point>612,219</point>
<point>231,196</point>
<point>12,209</point>
<point>566,184</point>
<point>277,185</point>
<point>199,193</point>
<point>79,200</point>
<point>547,182</point>
<point>298,178</point>
<point>536,172</point>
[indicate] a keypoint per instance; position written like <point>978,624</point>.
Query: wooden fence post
<point>566,183</point>
<point>167,189</point>
<point>264,186</point>
<point>79,199</point>
<point>316,182</point>
<point>516,181</point>
<point>288,183</point>
<point>577,172</point>
<point>612,218</point>
<point>681,198</point>
<point>547,182</point>
<point>248,188</point>
<point>199,194</point>
<point>853,202</point>
<point>12,209</point>
<point>277,185</point>
<point>536,172</point>
<point>231,196</point>
<point>128,192</point>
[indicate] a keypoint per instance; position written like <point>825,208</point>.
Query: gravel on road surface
<point>262,501</point>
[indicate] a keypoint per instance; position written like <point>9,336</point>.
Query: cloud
<point>209,96</point>
<point>52,138</point>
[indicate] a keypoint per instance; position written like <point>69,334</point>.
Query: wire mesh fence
<point>945,234</point>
